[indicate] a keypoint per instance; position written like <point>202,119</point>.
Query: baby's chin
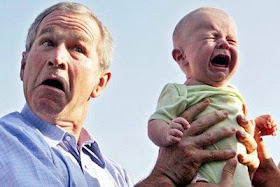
<point>219,84</point>
<point>219,79</point>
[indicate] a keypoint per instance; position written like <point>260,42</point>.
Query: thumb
<point>228,173</point>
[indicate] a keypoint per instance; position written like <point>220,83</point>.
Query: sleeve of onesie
<point>171,103</point>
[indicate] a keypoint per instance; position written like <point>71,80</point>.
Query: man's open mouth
<point>221,61</point>
<point>53,83</point>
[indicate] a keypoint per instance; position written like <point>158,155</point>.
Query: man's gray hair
<point>104,48</point>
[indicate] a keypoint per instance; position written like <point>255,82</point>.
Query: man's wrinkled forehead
<point>73,21</point>
<point>51,30</point>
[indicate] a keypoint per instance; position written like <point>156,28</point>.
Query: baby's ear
<point>179,56</point>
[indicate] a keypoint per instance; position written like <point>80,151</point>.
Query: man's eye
<point>48,43</point>
<point>78,49</point>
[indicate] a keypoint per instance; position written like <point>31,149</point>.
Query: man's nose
<point>223,44</point>
<point>58,58</point>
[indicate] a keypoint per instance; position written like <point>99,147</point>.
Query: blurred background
<point>142,65</point>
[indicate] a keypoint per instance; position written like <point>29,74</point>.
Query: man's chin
<point>46,110</point>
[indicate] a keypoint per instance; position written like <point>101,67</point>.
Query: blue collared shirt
<point>37,153</point>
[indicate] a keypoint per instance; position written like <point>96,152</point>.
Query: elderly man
<point>68,52</point>
<point>65,64</point>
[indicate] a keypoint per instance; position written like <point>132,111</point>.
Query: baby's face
<point>211,48</point>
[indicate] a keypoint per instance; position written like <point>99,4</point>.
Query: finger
<point>194,110</point>
<point>265,132</point>
<point>203,123</point>
<point>176,132</point>
<point>215,155</point>
<point>177,126</point>
<point>175,139</point>
<point>250,160</point>
<point>262,150</point>
<point>182,121</point>
<point>274,131</point>
<point>228,173</point>
<point>249,126</point>
<point>248,140</point>
<point>263,120</point>
<point>209,137</point>
<point>273,123</point>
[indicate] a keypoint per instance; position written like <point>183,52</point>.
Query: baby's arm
<point>266,124</point>
<point>164,134</point>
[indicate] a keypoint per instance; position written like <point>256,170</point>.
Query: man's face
<point>61,71</point>
<point>211,48</point>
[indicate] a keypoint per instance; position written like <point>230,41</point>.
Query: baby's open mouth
<point>220,61</point>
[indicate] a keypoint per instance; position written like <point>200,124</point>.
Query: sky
<point>142,65</point>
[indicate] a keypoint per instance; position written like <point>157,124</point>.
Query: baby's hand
<point>175,130</point>
<point>266,124</point>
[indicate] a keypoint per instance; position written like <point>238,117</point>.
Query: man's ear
<point>179,57</point>
<point>23,63</point>
<point>102,84</point>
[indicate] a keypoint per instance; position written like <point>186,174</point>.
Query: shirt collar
<point>54,134</point>
<point>85,138</point>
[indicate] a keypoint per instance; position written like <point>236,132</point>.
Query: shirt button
<point>68,138</point>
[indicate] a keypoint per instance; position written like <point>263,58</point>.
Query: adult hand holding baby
<point>177,164</point>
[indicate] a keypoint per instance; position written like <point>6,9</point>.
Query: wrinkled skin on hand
<point>226,179</point>
<point>181,161</point>
<point>177,164</point>
<point>247,138</point>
